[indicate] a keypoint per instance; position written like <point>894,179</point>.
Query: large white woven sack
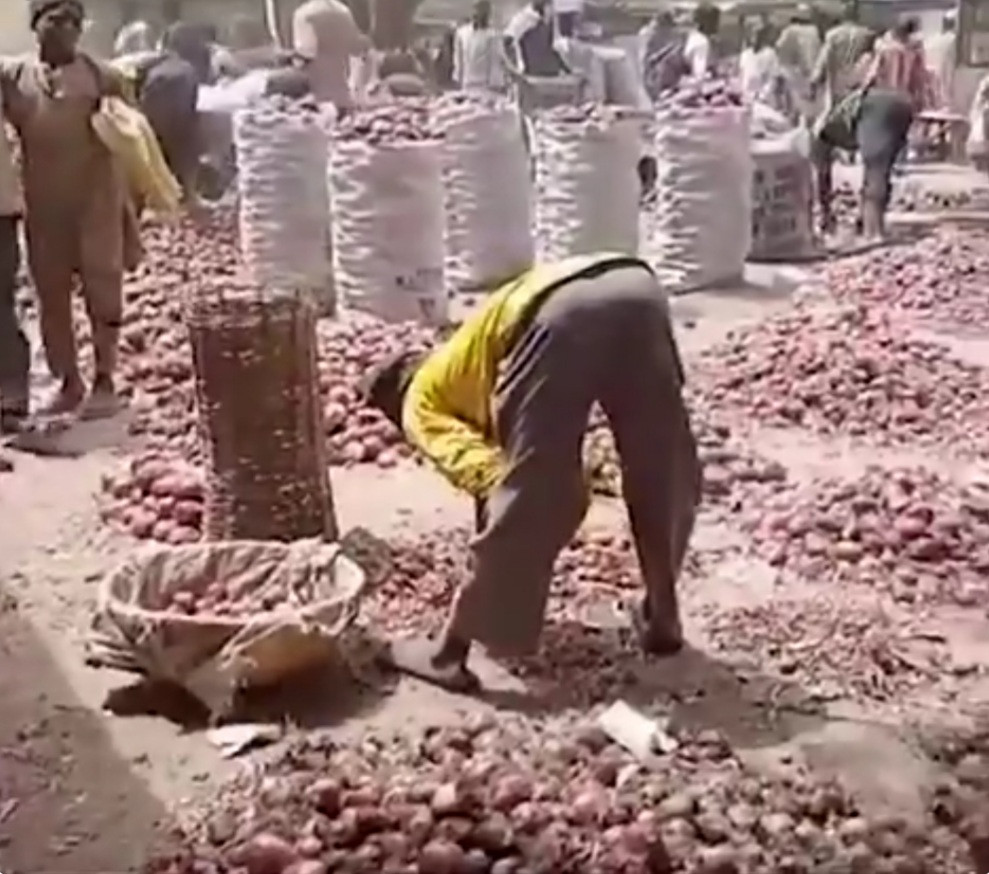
<point>587,185</point>
<point>699,233</point>
<point>283,205</point>
<point>388,229</point>
<point>488,200</point>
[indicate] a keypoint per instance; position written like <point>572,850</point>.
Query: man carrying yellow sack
<point>501,409</point>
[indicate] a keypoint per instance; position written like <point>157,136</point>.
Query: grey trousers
<point>605,338</point>
<point>15,355</point>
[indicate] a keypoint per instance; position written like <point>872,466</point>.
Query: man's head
<point>707,18</point>
<point>189,42</point>
<point>949,22</point>
<point>906,28</point>
<point>385,386</point>
<point>802,14</point>
<point>664,20</point>
<point>481,14</point>
<point>540,6</point>
<point>57,25</point>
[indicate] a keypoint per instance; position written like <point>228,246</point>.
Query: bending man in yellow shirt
<point>501,409</point>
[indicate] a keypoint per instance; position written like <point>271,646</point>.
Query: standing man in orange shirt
<point>326,37</point>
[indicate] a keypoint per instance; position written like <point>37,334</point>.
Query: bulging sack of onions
<point>487,196</point>
<point>216,618</point>
<point>386,185</point>
<point>700,230</point>
<point>782,199</point>
<point>587,184</point>
<point>284,205</point>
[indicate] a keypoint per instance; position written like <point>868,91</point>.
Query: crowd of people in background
<point>813,75</point>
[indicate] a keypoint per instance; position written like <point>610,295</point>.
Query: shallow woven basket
<point>260,416</point>
<point>315,591</point>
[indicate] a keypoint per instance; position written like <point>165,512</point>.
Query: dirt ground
<point>85,792</point>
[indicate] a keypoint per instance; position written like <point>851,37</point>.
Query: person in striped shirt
<point>899,64</point>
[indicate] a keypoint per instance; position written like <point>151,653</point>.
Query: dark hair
<point>707,17</point>
<point>384,387</point>
<point>911,25</point>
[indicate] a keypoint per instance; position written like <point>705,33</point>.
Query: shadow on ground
<point>580,667</point>
<point>319,698</point>
<point>68,801</point>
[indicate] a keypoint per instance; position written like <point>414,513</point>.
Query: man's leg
<point>15,353</point>
<point>102,257</point>
<point>51,257</point>
<point>660,469</point>
<point>876,188</point>
<point>822,158</point>
<point>542,404</point>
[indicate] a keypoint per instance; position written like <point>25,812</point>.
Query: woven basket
<point>260,416</point>
<point>312,587</point>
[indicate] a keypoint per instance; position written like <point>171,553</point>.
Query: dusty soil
<point>84,791</point>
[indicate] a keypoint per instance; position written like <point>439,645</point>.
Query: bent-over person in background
<point>875,123</point>
<point>501,409</point>
<point>79,221</point>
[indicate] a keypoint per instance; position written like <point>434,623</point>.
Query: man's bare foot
<point>103,402</point>
<point>420,657</point>
<point>66,400</point>
<point>656,638</point>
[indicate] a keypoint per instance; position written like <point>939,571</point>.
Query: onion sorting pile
<point>522,799</point>
<point>906,531</point>
<point>847,201</point>
<point>853,372</point>
<point>939,280</point>
<point>833,646</point>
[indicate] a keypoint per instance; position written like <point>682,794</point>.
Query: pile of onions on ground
<point>830,646</point>
<point>855,372</point>
<point>348,349</point>
<point>847,201</point>
<point>156,358</point>
<point>905,530</point>
<point>155,497</point>
<point>939,280</point>
<point>509,797</point>
<point>728,466</point>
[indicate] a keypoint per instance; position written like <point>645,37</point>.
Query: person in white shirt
<point>478,53</point>
<point>326,36</point>
<point>697,49</point>
<point>759,69</point>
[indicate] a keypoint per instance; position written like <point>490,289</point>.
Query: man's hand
<point>480,515</point>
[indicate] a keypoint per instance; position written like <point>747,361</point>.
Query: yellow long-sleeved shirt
<point>446,413</point>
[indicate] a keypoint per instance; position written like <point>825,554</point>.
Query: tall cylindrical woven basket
<point>260,416</point>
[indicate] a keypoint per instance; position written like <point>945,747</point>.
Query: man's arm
<point>458,58</point>
<point>700,59</point>
<point>820,73</point>
<point>459,450</point>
